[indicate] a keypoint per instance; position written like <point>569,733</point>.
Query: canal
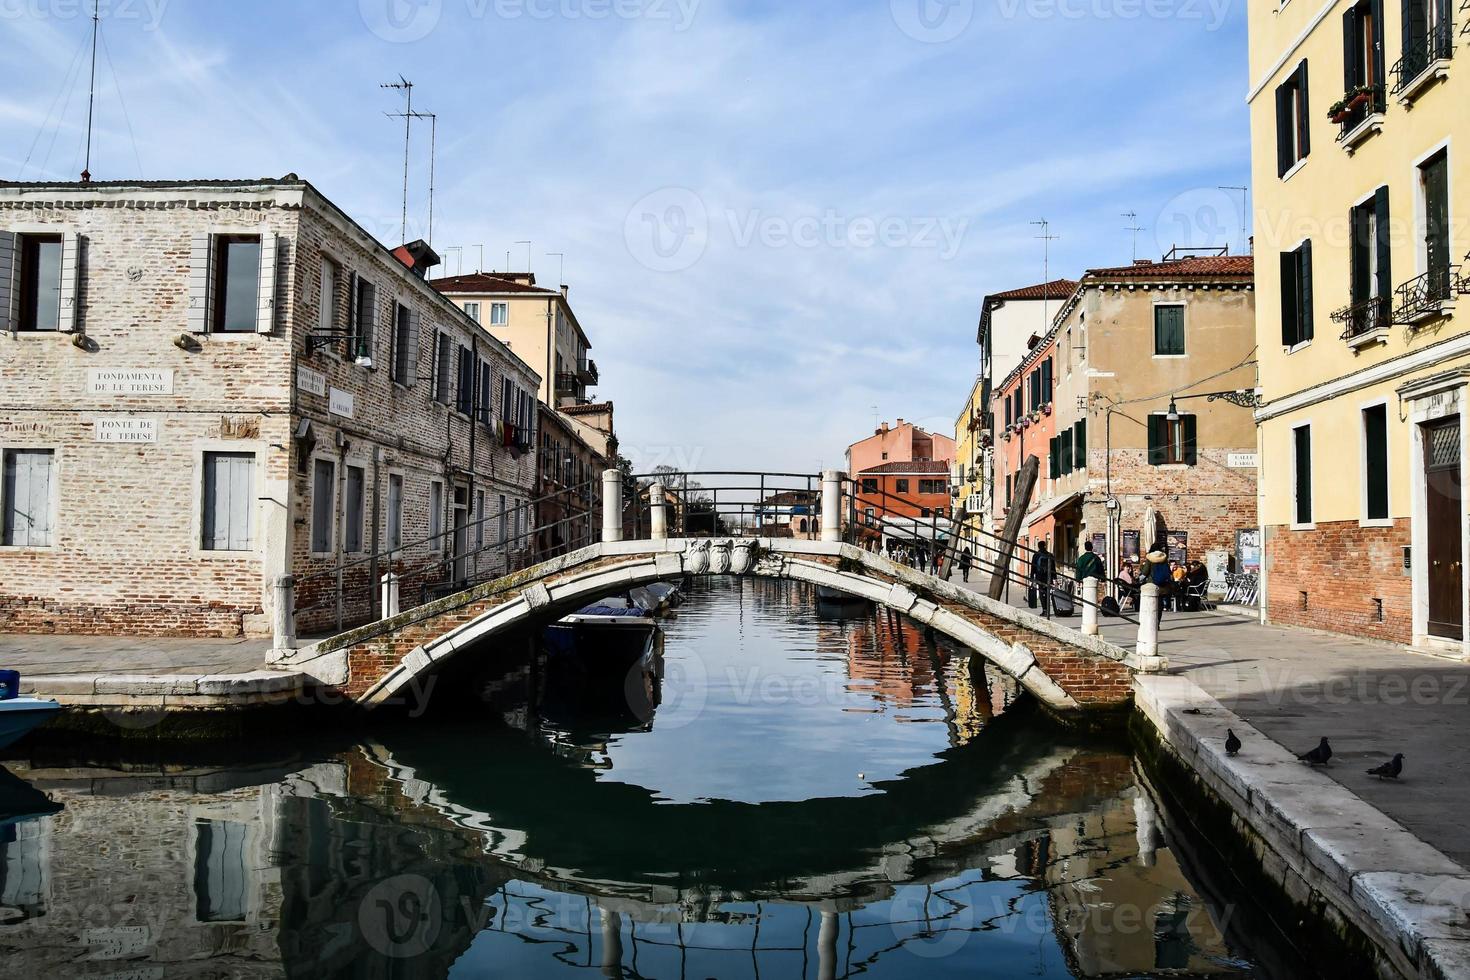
<point>810,791</point>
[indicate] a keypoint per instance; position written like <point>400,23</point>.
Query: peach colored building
<point>903,442</point>
<point>1024,426</point>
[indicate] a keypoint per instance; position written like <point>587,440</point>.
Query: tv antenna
<point>91,96</point>
<point>1244,193</point>
<point>408,116</point>
<point>528,255</point>
<point>1134,227</point>
<point>1046,239</point>
<point>561,266</point>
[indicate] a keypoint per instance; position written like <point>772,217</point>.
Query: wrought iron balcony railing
<point>1364,318</point>
<point>1437,44</point>
<point>1425,296</point>
<point>1358,105</point>
<point>568,383</point>
<point>587,370</point>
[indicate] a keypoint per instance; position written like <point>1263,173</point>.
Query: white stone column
<point>390,595</point>
<point>658,513</point>
<point>832,505</point>
<point>827,940</point>
<point>1148,620</point>
<point>612,505</point>
<point>283,619</point>
<point>1089,606</point>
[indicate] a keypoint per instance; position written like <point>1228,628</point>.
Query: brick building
<point>568,508</point>
<point>212,384</point>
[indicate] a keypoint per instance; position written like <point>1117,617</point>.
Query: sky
<point>778,220</point>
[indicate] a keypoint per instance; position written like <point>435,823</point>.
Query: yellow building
<point>1359,118</point>
<point>972,439</point>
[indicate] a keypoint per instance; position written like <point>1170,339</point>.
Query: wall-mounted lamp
<point>326,338</point>
<point>1173,415</point>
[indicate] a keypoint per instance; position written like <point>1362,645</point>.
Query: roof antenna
<point>91,96</point>
<point>1244,191</point>
<point>1135,227</point>
<point>407,87</point>
<point>1046,240</point>
<point>561,267</point>
<point>528,256</point>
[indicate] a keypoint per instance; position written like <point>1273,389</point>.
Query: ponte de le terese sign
<point>125,430</point>
<point>130,381</point>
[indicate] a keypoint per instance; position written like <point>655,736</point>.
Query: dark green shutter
<point>1304,120</point>
<point>1064,450</point>
<point>1437,220</point>
<point>1375,462</point>
<point>1156,439</point>
<point>1302,438</point>
<point>1079,452</point>
<point>1283,127</point>
<point>1189,429</point>
<point>1304,287</point>
<point>1053,469</point>
<point>1385,247</point>
<point>1046,381</point>
<point>1361,230</point>
<point>1350,49</point>
<point>1289,293</point>
<point>1376,41</point>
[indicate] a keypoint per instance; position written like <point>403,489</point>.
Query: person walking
<point>965,559</point>
<point>1043,574</point>
<point>1158,572</point>
<point>1089,565</point>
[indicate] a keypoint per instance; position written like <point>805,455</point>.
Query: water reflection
<point>983,841</point>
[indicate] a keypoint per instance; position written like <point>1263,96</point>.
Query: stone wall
<point>1341,577</point>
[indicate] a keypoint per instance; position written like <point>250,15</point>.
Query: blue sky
<point>775,216</point>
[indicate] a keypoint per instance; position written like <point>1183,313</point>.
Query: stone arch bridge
<point>1074,676</point>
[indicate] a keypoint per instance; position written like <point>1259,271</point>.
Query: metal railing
<point>1364,317</point>
<point>1357,106</point>
<point>1424,296</point>
<point>1436,44</point>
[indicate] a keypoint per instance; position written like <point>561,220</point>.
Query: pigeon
<point>1390,769</point>
<point>1232,744</point>
<point>1319,755</point>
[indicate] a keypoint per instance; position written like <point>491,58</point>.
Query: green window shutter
<point>1304,285</point>
<point>1053,460</point>
<point>1305,119</point>
<point>1168,330</point>
<point>1350,54</point>
<point>1156,430</point>
<point>1284,95</point>
<point>1384,243</point>
<point>1079,450</point>
<point>1064,452</point>
<point>1289,269</point>
<point>1045,382</point>
<point>1188,425</point>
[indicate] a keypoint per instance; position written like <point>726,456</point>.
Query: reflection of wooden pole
<point>1020,500</point>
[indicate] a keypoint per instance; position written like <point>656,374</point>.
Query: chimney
<point>883,429</point>
<point>566,290</point>
<point>1143,261</point>
<point>900,422</point>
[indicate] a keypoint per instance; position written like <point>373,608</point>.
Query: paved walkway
<point>54,656</point>
<point>1370,700</point>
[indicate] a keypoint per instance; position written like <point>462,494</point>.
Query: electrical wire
<point>41,130</point>
<point>127,119</point>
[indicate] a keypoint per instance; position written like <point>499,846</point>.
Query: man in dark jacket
<point>1043,574</point>
<point>1089,565</point>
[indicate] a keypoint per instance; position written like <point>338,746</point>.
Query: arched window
<point>801,525</point>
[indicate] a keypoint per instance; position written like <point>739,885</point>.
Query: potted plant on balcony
<point>1355,98</point>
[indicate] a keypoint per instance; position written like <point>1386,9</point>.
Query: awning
<point>1053,506</point>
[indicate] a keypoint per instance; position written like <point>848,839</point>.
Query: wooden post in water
<point>1020,500</point>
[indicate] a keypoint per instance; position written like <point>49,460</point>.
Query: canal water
<point>820,792</point>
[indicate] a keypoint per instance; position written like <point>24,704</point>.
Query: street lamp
<point>326,338</point>
<point>1173,414</point>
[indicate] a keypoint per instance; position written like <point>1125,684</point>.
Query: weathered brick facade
<point>1341,577</point>
<point>126,550</point>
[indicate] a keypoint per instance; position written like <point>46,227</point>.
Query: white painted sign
<point>339,402</point>
<point>1241,461</point>
<point>311,381</point>
<point>125,430</point>
<point>130,381</point>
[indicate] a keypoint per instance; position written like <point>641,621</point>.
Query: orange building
<point>1025,424</point>
<point>903,442</point>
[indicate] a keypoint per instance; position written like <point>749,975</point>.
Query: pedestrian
<point>1157,572</point>
<point>965,559</point>
<point>938,562</point>
<point>1089,565</point>
<point>1043,574</point>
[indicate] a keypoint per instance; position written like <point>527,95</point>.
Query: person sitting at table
<point>1127,582</point>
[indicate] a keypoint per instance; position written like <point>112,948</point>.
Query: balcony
<point>568,384</point>
<point>1366,322</point>
<point>587,371</point>
<point>1359,114</point>
<point>1427,62</point>
<point>1428,297</point>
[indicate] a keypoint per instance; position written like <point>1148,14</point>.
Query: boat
<point>19,716</point>
<point>20,801</point>
<point>616,632</point>
<point>838,597</point>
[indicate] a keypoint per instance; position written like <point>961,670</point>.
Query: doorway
<point>1444,504</point>
<point>460,522</point>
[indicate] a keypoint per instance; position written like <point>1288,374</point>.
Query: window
<point>1008,489</point>
<point>40,282</point>
<point>1372,274</point>
<point>1046,381</point>
<point>222,872</point>
<point>1302,455</point>
<point>353,510</point>
<point>229,501</point>
<point>395,511</point>
<point>323,492</point>
<point>436,515</point>
<point>464,401</point>
<point>870,486</point>
<point>1428,34</point>
<point>472,310</point>
<point>1064,452</point>
<point>364,318</point>
<point>1169,330</point>
<point>1375,463</point>
<point>1362,48</point>
<point>1293,130</point>
<point>26,497</point>
<point>1172,440</point>
<point>1434,191</point>
<point>933,486</point>
<point>1009,415</point>
<point>326,314</point>
<point>1079,444</point>
<point>1296,295</point>
<point>479,520</point>
<point>1054,458</point>
<point>441,368</point>
<point>486,392</point>
<point>504,521</point>
<point>236,284</point>
<point>403,343</point>
<point>900,486</point>
<point>499,314</point>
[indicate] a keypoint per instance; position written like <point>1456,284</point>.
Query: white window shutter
<point>411,375</point>
<point>71,279</point>
<point>201,280</point>
<point>265,313</point>
<point>8,309</point>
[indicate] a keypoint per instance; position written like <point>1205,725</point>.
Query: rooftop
<point>492,282</point>
<point>1056,289</point>
<point>1200,267</point>
<point>910,466</point>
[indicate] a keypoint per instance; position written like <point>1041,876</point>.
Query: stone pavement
<point>1370,700</point>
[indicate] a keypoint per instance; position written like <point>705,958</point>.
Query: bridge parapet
<point>1070,673</point>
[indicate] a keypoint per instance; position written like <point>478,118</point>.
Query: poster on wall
<point>1176,543</point>
<point>1130,545</point>
<point>1248,550</point>
<point>1100,544</point>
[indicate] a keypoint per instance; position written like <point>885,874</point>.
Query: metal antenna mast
<point>1046,240</point>
<point>406,87</point>
<point>561,266</point>
<point>91,96</point>
<point>1134,227</point>
<point>1244,192</point>
<point>528,255</point>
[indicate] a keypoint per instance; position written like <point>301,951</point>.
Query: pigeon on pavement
<point>1319,755</point>
<point>1390,769</point>
<point>1232,744</point>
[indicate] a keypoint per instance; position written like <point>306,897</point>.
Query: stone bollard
<point>1089,606</point>
<point>283,625</point>
<point>1148,620</point>
<point>658,513</point>
<point>390,595</point>
<point>612,505</point>
<point>832,505</point>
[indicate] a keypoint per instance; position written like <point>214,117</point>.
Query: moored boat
<point>19,716</point>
